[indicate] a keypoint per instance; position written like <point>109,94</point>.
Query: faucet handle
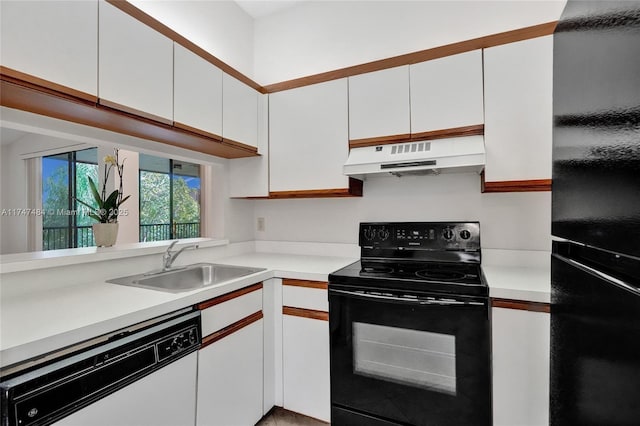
<point>173,243</point>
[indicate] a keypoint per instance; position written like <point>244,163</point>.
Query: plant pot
<point>105,234</point>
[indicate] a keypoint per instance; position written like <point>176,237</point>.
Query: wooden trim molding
<point>323,285</point>
<point>230,329</point>
<point>53,87</point>
<point>19,91</point>
<point>455,132</point>
<point>380,140</point>
<point>150,21</point>
<point>420,56</point>
<point>354,190</point>
<point>533,185</point>
<point>305,313</point>
<point>521,305</point>
<point>197,131</point>
<point>226,297</point>
<point>135,112</point>
<point>406,59</point>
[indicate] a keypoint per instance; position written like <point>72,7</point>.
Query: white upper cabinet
<point>197,92</point>
<point>240,111</point>
<point>135,64</point>
<point>52,40</point>
<point>447,92</point>
<point>249,177</point>
<point>379,103</point>
<point>518,110</point>
<point>308,137</point>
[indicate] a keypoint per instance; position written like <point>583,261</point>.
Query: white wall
<point>13,195</point>
<point>518,221</point>
<point>319,36</point>
<point>220,27</point>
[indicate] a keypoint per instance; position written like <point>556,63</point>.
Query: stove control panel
<point>439,236</point>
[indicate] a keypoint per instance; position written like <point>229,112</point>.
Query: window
<point>169,199</point>
<point>64,179</point>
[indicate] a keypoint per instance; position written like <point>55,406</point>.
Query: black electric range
<point>410,328</point>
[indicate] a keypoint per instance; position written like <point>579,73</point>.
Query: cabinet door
<point>447,92</point>
<point>166,397</point>
<point>135,65</point>
<point>379,103</point>
<point>230,379</point>
<point>249,177</point>
<point>305,347</point>
<point>53,40</point>
<point>240,111</point>
<point>197,92</point>
<point>518,110</point>
<point>308,137</point>
<point>520,367</point>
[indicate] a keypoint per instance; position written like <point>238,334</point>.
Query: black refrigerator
<point>595,264</point>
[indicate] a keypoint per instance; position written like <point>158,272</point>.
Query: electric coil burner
<point>410,328</point>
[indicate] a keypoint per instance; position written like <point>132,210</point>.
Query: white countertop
<point>38,322</point>
<point>41,321</point>
<point>531,284</point>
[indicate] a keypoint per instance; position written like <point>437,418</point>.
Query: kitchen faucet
<point>170,256</point>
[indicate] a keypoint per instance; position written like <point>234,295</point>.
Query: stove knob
<point>465,234</point>
<point>369,233</point>
<point>447,233</point>
<point>383,234</point>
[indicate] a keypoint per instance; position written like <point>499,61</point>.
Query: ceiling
<point>258,9</point>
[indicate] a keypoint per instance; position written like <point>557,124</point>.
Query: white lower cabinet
<point>230,379</point>
<point>520,367</point>
<point>305,343</point>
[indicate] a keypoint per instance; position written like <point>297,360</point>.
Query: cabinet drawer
<point>225,310</point>
<point>305,294</point>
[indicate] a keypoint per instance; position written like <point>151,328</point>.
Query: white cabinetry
<point>240,111</point>
<point>230,364</point>
<point>447,92</point>
<point>520,367</point>
<point>197,92</point>
<point>379,103</point>
<point>305,347</point>
<point>308,142</point>
<point>230,379</point>
<point>135,65</point>
<point>249,177</point>
<point>52,40</point>
<point>518,110</point>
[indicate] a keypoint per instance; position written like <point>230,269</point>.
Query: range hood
<point>462,154</point>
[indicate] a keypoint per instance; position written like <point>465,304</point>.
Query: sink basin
<point>187,278</point>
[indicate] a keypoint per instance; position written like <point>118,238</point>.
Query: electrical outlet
<point>260,224</point>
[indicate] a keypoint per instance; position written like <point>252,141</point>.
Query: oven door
<point>409,359</point>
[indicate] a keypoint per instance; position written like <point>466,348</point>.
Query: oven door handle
<point>405,299</point>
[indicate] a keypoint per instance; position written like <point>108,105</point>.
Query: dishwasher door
<point>166,397</point>
<point>144,375</point>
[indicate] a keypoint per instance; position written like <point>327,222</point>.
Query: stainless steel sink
<point>187,278</point>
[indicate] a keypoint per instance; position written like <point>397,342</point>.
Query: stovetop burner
<point>377,269</point>
<point>416,257</point>
<point>440,275</point>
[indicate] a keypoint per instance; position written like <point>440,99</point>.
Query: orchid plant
<point>107,206</point>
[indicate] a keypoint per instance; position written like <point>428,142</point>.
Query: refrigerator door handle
<point>606,277</point>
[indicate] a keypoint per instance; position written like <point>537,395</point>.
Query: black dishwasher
<point>44,394</point>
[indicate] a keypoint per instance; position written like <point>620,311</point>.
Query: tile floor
<point>281,417</point>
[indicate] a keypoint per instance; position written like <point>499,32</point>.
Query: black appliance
<point>410,328</point>
<point>39,395</point>
<point>595,265</point>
